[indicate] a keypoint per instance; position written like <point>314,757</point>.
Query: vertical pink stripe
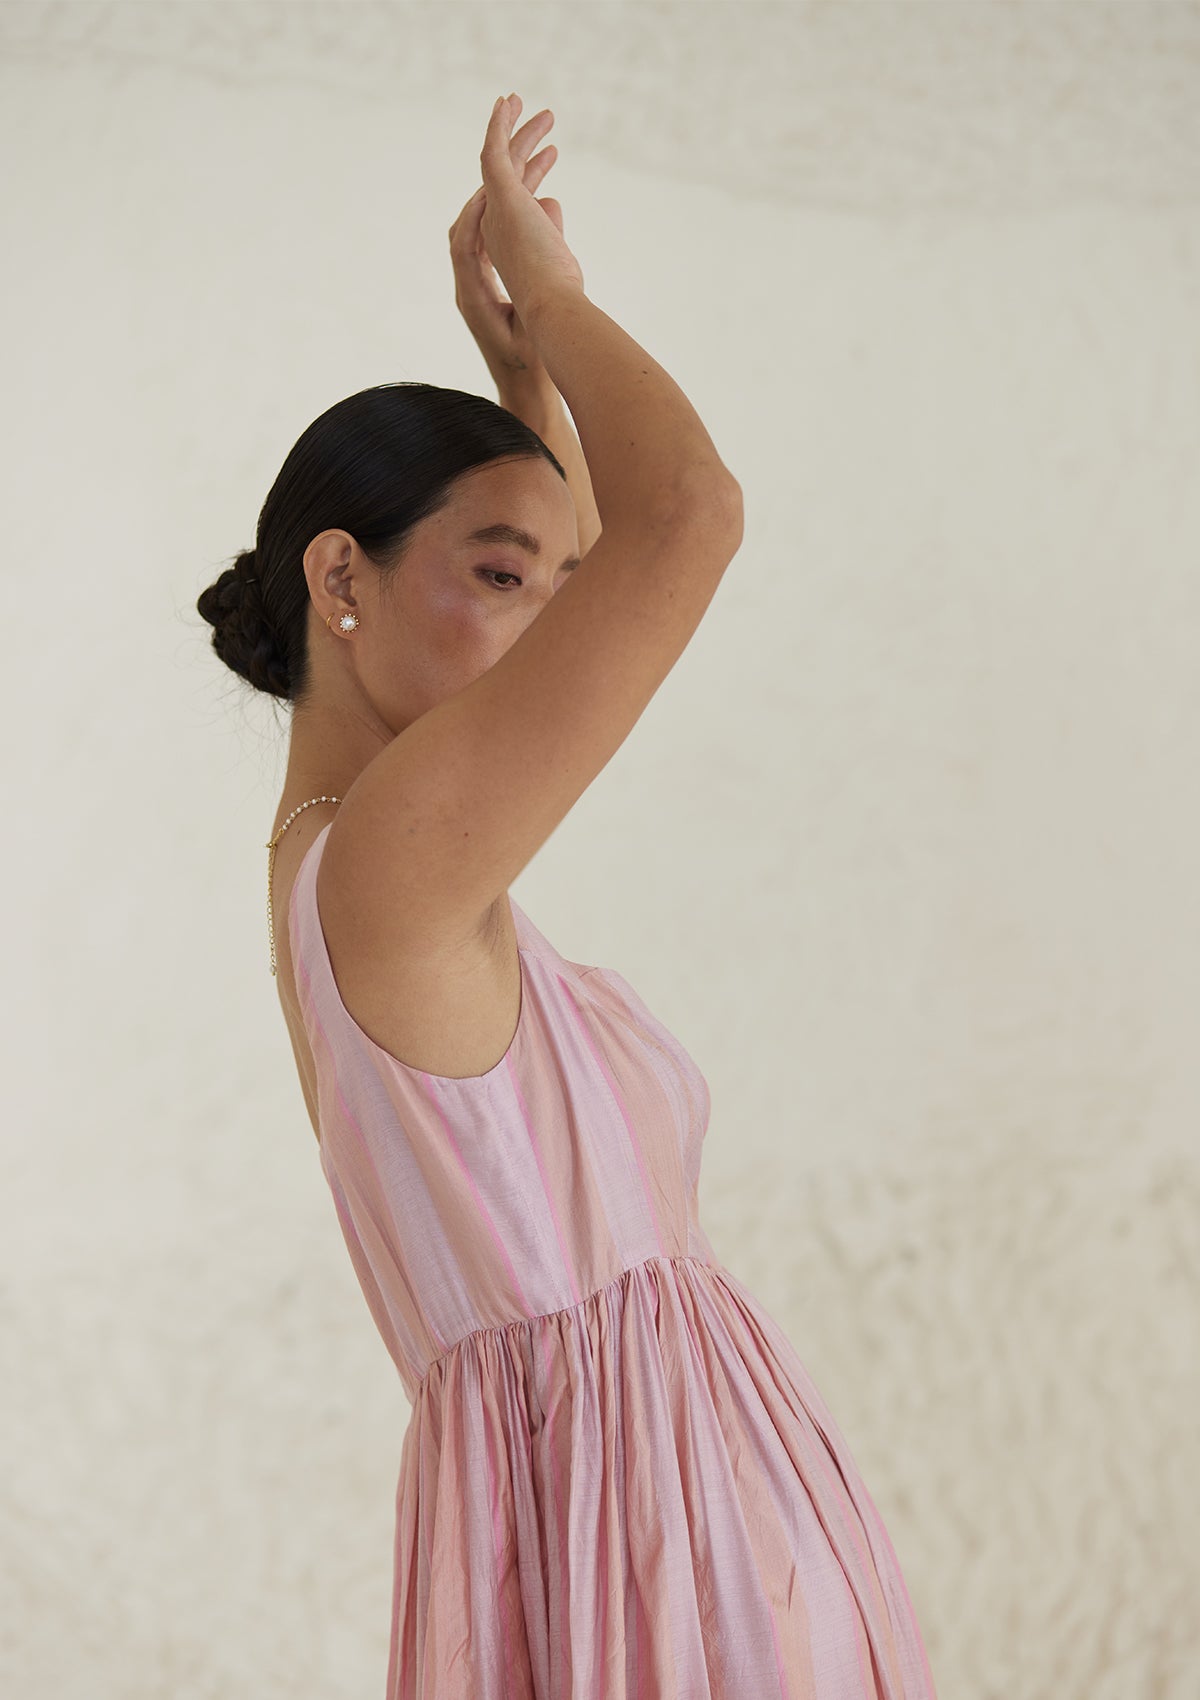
<point>785,1692</point>
<point>553,1402</point>
<point>484,1214</point>
<point>870,1692</point>
<point>822,1455</point>
<point>497,1513</point>
<point>602,1065</point>
<point>853,1526</point>
<point>351,1122</point>
<point>562,1502</point>
<point>602,1656</point>
<point>535,1147</point>
<point>395,1672</point>
<point>898,1576</point>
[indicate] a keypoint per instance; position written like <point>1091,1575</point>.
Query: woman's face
<point>457,600</point>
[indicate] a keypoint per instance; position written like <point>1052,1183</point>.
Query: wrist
<point>549,295</point>
<point>528,391</point>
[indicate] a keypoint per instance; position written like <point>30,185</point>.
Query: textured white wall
<point>905,849</point>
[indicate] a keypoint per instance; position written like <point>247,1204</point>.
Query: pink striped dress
<point>617,1481</point>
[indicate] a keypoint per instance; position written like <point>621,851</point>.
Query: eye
<point>498,572</point>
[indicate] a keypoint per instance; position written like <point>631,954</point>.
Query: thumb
<point>554,212</point>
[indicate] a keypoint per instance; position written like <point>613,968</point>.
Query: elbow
<point>734,508</point>
<point>712,497</point>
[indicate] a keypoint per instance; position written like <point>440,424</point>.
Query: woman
<point>617,1478</point>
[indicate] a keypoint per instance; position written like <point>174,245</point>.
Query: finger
<point>529,135</point>
<point>554,213</point>
<point>474,207</point>
<point>538,166</point>
<point>494,152</point>
<point>473,267</point>
<point>478,286</point>
<point>468,254</point>
<point>464,232</point>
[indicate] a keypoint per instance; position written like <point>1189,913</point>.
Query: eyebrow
<point>518,538</point>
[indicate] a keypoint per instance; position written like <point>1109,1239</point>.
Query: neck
<point>326,754</point>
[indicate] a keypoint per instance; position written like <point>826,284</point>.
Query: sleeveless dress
<point>617,1481</point>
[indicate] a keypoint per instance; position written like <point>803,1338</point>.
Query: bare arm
<point>641,439</point>
<point>535,401</point>
<point>442,820</point>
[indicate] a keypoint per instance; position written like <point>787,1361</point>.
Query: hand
<point>525,235</point>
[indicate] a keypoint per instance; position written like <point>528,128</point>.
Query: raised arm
<point>531,395</point>
<point>446,816</point>
<point>523,385</point>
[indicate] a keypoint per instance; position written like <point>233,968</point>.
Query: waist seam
<point>560,1310</point>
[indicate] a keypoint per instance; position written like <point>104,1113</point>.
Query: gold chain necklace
<point>271,843</point>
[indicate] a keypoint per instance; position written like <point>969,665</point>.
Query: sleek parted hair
<point>373,465</point>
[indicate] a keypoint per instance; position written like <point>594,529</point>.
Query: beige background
<point>905,849</point>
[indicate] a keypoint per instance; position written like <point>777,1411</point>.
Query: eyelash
<point>501,573</point>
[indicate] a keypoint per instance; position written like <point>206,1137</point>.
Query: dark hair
<point>373,465</point>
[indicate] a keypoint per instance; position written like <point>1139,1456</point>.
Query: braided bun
<point>244,638</point>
